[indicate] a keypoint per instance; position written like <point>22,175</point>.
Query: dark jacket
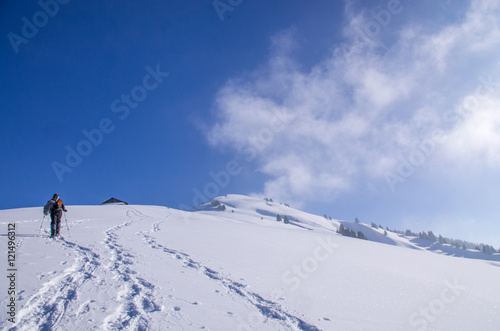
<point>57,207</point>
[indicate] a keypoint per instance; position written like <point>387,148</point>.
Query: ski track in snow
<point>45,309</point>
<point>268,309</point>
<point>56,303</point>
<point>136,299</point>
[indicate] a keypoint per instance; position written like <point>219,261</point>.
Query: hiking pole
<point>40,231</point>
<point>67,227</point>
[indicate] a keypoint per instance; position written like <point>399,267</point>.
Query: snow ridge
<point>151,268</point>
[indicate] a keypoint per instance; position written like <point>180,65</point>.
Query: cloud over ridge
<point>357,113</point>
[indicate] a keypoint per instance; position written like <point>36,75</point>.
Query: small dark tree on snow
<point>343,230</point>
<point>385,233</point>
<point>488,249</point>
<point>431,236</point>
<point>278,218</point>
<point>409,233</point>
<point>286,220</point>
<point>374,225</point>
<point>380,227</point>
<point>350,233</point>
<point>423,235</point>
<point>356,220</point>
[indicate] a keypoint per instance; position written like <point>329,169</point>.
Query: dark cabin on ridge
<point>114,202</point>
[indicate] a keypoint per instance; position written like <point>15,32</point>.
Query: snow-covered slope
<point>155,268</point>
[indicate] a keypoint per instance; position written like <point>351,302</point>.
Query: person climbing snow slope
<point>55,208</point>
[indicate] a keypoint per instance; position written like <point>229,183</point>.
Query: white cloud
<point>476,137</point>
<point>354,114</point>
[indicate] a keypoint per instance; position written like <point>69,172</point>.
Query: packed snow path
<point>155,268</point>
<point>104,288</point>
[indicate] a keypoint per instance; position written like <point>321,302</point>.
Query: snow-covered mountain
<point>230,265</point>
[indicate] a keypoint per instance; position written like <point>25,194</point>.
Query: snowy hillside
<point>156,268</point>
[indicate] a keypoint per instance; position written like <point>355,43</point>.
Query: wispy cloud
<point>354,117</point>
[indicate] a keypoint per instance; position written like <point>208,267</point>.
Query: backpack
<point>48,207</point>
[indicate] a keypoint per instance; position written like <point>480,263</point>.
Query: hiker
<point>55,207</point>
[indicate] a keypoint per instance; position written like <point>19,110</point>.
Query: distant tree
<point>423,235</point>
<point>387,228</point>
<point>441,239</point>
<point>374,225</point>
<point>287,205</point>
<point>464,247</point>
<point>380,227</point>
<point>350,233</point>
<point>278,218</point>
<point>409,233</point>
<point>286,220</point>
<point>326,217</point>
<point>341,229</point>
<point>385,232</point>
<point>222,207</point>
<point>356,220</point>
<point>488,249</point>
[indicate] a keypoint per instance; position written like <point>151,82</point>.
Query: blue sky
<point>382,110</point>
